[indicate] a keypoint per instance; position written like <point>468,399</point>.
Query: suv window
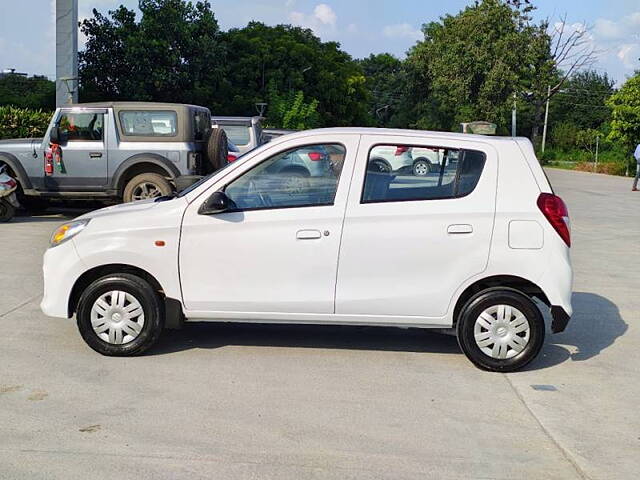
<point>398,173</point>
<point>238,134</point>
<point>82,127</point>
<point>201,125</point>
<point>149,123</point>
<point>301,177</point>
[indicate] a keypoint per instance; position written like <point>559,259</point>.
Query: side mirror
<point>218,202</point>
<point>57,136</point>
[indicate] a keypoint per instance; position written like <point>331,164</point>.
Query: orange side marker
<point>160,243</point>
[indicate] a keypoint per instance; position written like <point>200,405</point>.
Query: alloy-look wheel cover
<point>117,317</point>
<point>501,331</point>
<point>146,190</point>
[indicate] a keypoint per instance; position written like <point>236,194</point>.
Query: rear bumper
<point>560,319</point>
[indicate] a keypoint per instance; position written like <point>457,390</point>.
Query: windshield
<point>191,188</point>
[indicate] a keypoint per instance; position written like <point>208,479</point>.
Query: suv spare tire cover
<point>217,149</point>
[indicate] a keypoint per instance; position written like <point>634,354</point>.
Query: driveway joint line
<point>18,307</point>
<point>565,453</point>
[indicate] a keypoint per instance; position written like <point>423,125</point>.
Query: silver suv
<point>244,132</point>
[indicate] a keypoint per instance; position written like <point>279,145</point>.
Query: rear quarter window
<point>149,123</point>
<point>238,134</point>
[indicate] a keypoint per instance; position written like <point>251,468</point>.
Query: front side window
<point>149,123</point>
<point>301,177</point>
<point>238,134</point>
<point>405,173</point>
<point>82,127</point>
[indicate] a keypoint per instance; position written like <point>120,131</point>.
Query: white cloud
<point>322,18</point>
<point>325,14</point>
<point>402,30</point>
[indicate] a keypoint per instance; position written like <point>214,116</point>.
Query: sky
<point>27,30</point>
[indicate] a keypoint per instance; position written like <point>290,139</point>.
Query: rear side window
<point>238,134</point>
<point>397,173</point>
<point>201,125</point>
<point>149,123</point>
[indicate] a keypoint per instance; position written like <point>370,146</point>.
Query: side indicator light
<point>160,243</point>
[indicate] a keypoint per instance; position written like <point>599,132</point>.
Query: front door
<point>276,250</point>
<point>412,237</point>
<point>83,166</point>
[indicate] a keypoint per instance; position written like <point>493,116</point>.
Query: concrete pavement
<point>258,401</point>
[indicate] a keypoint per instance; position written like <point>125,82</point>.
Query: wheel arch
<point>142,163</point>
<point>172,307</point>
<point>513,282</point>
<point>381,160</point>
<point>17,169</point>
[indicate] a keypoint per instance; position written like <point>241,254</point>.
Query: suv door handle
<point>308,235</point>
<point>459,229</point>
<point>95,154</point>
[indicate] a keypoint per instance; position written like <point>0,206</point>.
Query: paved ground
<point>232,401</point>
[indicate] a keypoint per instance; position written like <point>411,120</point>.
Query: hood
<point>122,208</point>
<point>20,142</point>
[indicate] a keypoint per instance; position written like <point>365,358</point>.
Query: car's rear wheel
<point>421,167</point>
<point>145,186</point>
<point>500,330</point>
<point>120,315</point>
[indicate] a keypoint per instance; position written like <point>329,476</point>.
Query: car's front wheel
<point>500,330</point>
<point>120,315</point>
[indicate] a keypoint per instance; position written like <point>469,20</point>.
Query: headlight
<point>67,231</point>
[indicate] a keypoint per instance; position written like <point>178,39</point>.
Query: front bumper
<point>61,268</point>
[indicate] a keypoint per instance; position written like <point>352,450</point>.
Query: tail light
<point>231,158</point>
<point>401,150</point>
<point>315,156</point>
<point>555,210</point>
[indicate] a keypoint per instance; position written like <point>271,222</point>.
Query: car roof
<point>398,132</point>
<point>132,105</point>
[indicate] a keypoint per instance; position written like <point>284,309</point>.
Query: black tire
<point>152,181</point>
<point>217,149</point>
<point>483,301</point>
<point>7,211</point>
<point>151,305</point>
<point>421,167</point>
<point>378,165</point>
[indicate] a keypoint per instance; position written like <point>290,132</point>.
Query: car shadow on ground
<point>51,215</point>
<point>596,324</point>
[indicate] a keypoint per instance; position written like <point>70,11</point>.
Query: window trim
<point>147,135</point>
<point>455,180</point>
<point>236,210</point>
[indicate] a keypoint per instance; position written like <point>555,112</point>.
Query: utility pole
<point>597,145</point>
<point>513,116</point>
<point>546,120</point>
<point>66,52</point>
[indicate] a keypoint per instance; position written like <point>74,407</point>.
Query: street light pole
<point>513,116</point>
<point>546,119</point>
<point>66,52</point>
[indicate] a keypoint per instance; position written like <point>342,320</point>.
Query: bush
<point>23,123</point>
<point>608,168</point>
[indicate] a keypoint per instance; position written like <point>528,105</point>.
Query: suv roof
<point>140,105</point>
<point>237,120</point>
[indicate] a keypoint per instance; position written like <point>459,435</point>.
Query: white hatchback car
<point>467,246</point>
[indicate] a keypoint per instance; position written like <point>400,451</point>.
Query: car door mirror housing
<point>57,136</point>
<point>218,202</point>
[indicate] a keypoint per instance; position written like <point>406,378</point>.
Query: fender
<point>159,160</point>
<point>17,168</point>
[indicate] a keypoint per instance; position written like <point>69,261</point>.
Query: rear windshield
<point>238,134</point>
<point>149,123</point>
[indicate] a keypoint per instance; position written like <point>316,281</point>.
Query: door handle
<point>95,154</point>
<point>459,229</point>
<point>308,235</point>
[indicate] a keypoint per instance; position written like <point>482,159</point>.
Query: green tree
<point>28,92</point>
<point>291,59</point>
<point>387,83</point>
<point>625,113</point>
<point>173,53</point>
<point>290,111</point>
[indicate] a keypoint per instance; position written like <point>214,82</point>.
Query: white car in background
<point>468,247</point>
<point>406,159</point>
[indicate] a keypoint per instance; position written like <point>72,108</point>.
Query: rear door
<point>408,240</point>
<point>83,166</point>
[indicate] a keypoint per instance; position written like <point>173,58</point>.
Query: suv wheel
<point>120,315</point>
<point>146,185</point>
<point>421,167</point>
<point>500,330</point>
